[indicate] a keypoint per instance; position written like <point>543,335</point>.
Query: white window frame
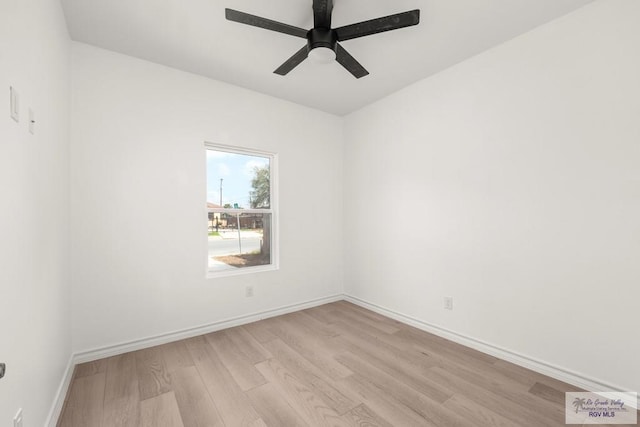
<point>273,210</point>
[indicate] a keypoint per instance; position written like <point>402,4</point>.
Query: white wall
<point>138,198</point>
<point>512,183</point>
<point>35,339</point>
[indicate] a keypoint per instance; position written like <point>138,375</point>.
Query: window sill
<point>234,271</point>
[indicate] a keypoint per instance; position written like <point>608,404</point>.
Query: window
<point>241,217</point>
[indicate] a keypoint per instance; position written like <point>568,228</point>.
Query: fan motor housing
<point>321,37</point>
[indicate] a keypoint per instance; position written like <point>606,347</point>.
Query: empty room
<point>319,213</point>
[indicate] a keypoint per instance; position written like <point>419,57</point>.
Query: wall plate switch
<point>17,420</point>
<point>248,291</point>
<point>14,104</point>
<point>448,303</point>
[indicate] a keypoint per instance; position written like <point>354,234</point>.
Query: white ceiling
<point>193,35</point>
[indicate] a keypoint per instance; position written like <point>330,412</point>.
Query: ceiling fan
<point>322,40</point>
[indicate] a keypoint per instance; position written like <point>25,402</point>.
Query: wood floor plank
<point>361,311</point>
<point>350,313</point>
<point>399,344</point>
<point>161,411</point>
<point>385,404</point>
<point>553,383</point>
<point>153,377</point>
<point>84,405</point>
<point>321,314</point>
<point>310,375</point>
<point>363,416</point>
<point>351,336</point>
<point>194,402</point>
<point>528,377</point>
<point>241,369</point>
<point>176,356</point>
<point>489,373</point>
<point>121,395</point>
<point>404,372</point>
<point>513,392</point>
<point>274,410</point>
<point>299,396</point>
<point>233,405</point>
<point>464,361</point>
<point>548,393</point>
<point>248,345</point>
<point>438,347</point>
<point>431,410</point>
<point>478,414</point>
<point>312,324</point>
<point>361,323</point>
<point>90,368</point>
<point>517,373</point>
<point>122,412</point>
<point>427,342</point>
<point>257,423</point>
<point>522,414</point>
<point>316,350</point>
<point>260,330</point>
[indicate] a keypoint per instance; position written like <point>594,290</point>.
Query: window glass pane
<point>240,216</point>
<point>239,240</point>
<point>237,181</point>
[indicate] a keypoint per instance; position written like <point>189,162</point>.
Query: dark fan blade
<point>349,62</point>
<point>322,13</point>
<point>379,25</point>
<point>293,62</point>
<point>268,24</point>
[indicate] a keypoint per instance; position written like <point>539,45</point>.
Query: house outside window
<point>241,210</point>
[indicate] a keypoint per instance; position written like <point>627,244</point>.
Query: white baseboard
<point>561,374</point>
<point>113,350</point>
<point>61,393</point>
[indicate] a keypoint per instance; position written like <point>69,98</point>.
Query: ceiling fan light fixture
<point>322,40</point>
<point>322,55</point>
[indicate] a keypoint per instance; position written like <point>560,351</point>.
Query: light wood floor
<point>334,365</point>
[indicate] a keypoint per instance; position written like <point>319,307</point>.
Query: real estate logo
<point>599,408</point>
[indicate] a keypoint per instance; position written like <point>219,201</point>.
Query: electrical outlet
<point>14,104</point>
<point>17,420</point>
<point>248,291</point>
<point>448,303</point>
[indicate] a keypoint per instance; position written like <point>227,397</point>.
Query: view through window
<point>240,211</point>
